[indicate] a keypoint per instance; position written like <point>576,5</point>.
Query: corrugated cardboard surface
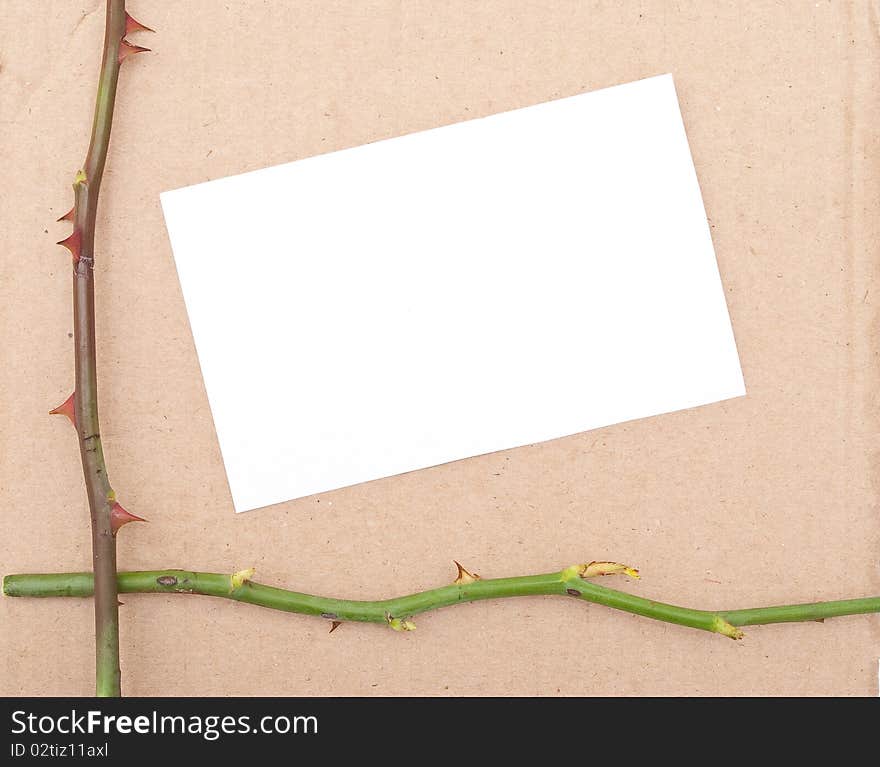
<point>765,499</point>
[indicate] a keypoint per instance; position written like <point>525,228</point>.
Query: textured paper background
<point>764,499</point>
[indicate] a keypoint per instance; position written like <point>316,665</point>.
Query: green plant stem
<point>100,494</point>
<point>562,583</point>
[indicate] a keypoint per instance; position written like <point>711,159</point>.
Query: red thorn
<point>67,216</point>
<point>66,408</point>
<point>133,25</point>
<point>126,49</point>
<point>73,243</point>
<point>334,625</point>
<point>120,517</point>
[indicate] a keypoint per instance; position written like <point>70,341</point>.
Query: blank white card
<point>454,292</point>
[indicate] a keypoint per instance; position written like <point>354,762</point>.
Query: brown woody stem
<point>100,494</point>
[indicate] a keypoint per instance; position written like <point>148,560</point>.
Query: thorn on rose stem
<point>133,25</point>
<point>464,576</point>
<point>66,408</point>
<point>72,243</point>
<point>67,216</point>
<point>119,517</point>
<point>126,49</point>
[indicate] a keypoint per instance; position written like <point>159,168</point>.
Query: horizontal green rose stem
<point>564,583</point>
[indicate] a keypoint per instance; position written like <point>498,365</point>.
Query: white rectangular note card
<point>454,292</point>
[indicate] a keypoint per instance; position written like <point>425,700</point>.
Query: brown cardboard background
<point>763,499</point>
